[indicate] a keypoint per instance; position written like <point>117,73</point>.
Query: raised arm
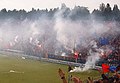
<point>62,75</point>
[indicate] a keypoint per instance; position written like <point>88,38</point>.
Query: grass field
<point>18,70</point>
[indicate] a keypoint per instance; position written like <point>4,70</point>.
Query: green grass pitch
<point>14,69</point>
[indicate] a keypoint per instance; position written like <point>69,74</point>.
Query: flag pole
<point>74,49</point>
<point>69,76</point>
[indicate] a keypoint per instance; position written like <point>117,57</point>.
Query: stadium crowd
<point>109,41</point>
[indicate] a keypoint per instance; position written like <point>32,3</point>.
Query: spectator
<point>62,76</point>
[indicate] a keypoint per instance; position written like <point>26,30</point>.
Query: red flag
<point>76,55</point>
<point>105,68</point>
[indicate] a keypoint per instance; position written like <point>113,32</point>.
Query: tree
<point>102,7</point>
<point>79,13</point>
<point>116,13</point>
<point>108,9</point>
<point>3,13</point>
<point>97,14</point>
<point>63,6</point>
<point>115,8</point>
<point>108,12</point>
<point>64,11</point>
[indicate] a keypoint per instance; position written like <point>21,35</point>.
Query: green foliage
<point>104,12</point>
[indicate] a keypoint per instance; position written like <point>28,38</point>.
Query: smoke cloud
<point>56,35</point>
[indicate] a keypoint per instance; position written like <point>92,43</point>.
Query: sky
<point>43,4</point>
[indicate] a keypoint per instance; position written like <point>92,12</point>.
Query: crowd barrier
<point>9,53</point>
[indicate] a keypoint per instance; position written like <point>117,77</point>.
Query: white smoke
<point>91,60</point>
<point>95,54</point>
<point>93,57</point>
<point>70,33</point>
<point>55,34</point>
<point>63,54</point>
